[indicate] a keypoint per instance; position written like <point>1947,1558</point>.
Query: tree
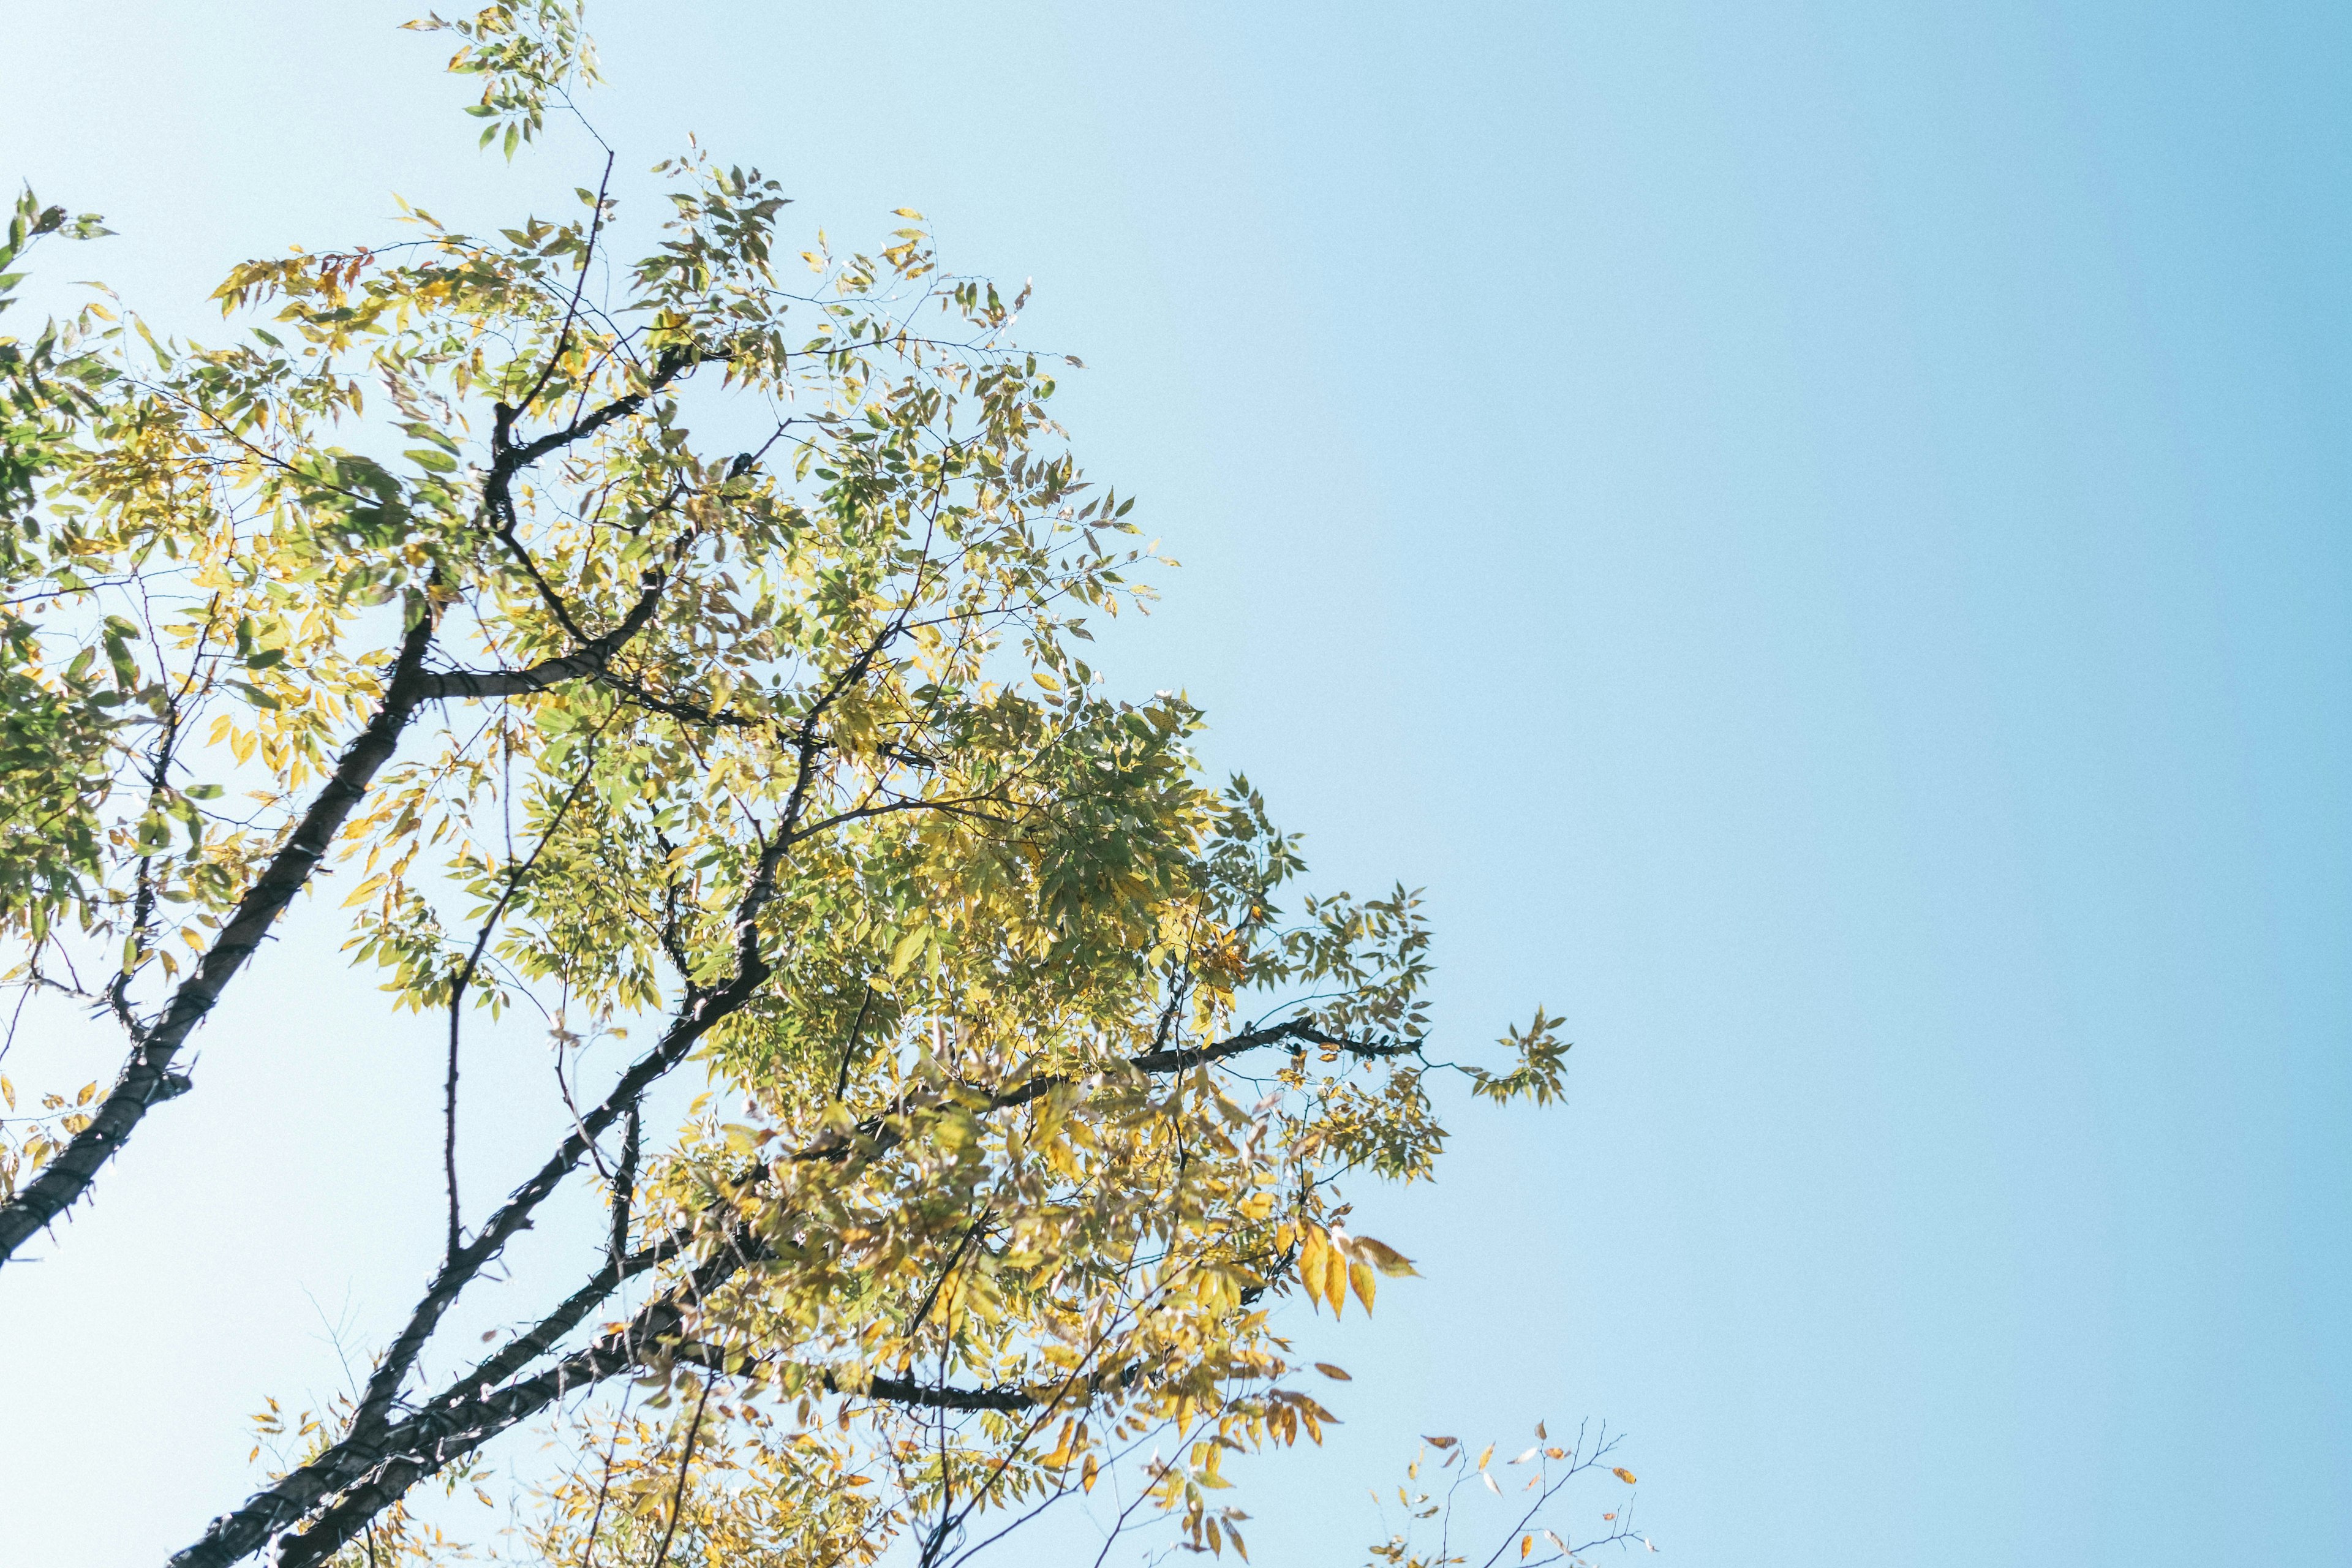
<point>695,659</point>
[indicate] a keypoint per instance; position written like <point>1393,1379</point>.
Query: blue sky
<point>1818,531</point>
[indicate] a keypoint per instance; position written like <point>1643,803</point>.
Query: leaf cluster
<point>693,659</point>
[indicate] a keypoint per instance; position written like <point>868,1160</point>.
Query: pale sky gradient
<point>1819,531</point>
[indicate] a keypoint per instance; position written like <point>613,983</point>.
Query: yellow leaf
<point>1336,1374</point>
<point>1360,1275</point>
<point>1526,1544</point>
<point>1440,1442</point>
<point>1623,1474</point>
<point>1387,1259</point>
<point>1488,1455</point>
<point>1310,1263</point>
<point>1335,1279</point>
<point>1061,1454</point>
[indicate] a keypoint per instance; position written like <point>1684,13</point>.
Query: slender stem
<point>604,1487</point>
<point>579,285</point>
<point>849,1046</point>
<point>686,1459</point>
<point>472,966</point>
<point>450,1124</point>
<point>931,1297</point>
<point>625,1184</point>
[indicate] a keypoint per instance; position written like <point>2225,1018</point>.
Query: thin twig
<point>625,1184</point>
<point>678,1497</point>
<point>472,965</point>
<point>604,1487</point>
<point>849,1046</point>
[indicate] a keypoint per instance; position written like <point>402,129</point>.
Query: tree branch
<point>506,460</point>
<point>591,660</point>
<point>373,1473</point>
<point>372,1469</point>
<point>1303,1031</point>
<point>685,1463</point>
<point>705,1009</point>
<point>702,1009</point>
<point>472,966</point>
<point>146,1079</point>
<point>625,1181</point>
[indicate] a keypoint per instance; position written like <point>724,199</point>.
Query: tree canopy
<point>690,650</point>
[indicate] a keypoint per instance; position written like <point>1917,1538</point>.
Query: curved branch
<point>591,660</point>
<point>1303,1031</point>
<point>507,459</point>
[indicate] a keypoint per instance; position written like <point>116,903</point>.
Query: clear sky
<point>1818,531</point>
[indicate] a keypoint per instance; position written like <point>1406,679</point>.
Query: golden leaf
<point>1387,1259</point>
<point>1061,1454</point>
<point>1335,1279</point>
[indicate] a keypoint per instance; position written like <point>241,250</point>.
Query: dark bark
<point>704,1010</point>
<point>147,1080</point>
<point>381,1459</point>
<point>592,659</point>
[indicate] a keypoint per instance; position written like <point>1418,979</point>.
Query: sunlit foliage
<point>689,651</point>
